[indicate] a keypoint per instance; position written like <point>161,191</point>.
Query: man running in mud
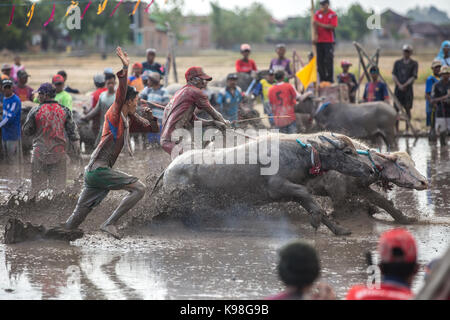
<point>180,112</point>
<point>99,177</point>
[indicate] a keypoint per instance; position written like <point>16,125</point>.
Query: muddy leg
<point>89,198</point>
<point>380,201</point>
<point>281,188</point>
<point>136,192</point>
<point>38,177</point>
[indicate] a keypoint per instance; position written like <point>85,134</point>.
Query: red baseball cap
<point>137,65</point>
<point>58,79</point>
<point>397,239</point>
<point>193,72</point>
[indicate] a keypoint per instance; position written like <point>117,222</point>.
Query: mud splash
<point>184,249</point>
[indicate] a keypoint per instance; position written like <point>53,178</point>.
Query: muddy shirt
<point>176,114</point>
<point>403,71</point>
<point>441,89</point>
<point>104,102</point>
<point>47,123</point>
<point>113,134</point>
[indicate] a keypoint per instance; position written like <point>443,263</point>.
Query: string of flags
<point>72,4</point>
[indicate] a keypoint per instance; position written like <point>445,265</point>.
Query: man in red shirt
<point>245,64</point>
<point>180,111</point>
<point>398,265</point>
<point>282,98</point>
<point>325,21</point>
<point>22,90</point>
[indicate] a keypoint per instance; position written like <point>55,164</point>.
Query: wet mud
<point>185,244</point>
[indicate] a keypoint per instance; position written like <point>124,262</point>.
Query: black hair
<point>299,265</point>
<point>402,270</point>
<point>63,74</point>
<point>373,69</point>
<point>131,93</point>
<point>279,75</point>
<point>110,76</point>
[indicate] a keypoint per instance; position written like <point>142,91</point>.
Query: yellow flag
<point>308,73</point>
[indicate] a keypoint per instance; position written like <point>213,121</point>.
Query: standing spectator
<point>6,70</point>
<point>10,124</point>
<point>154,92</point>
<point>431,80</point>
<point>67,88</point>
<point>398,265</point>
<point>151,65</point>
<point>298,269</point>
<point>444,53</point>
<point>230,98</point>
<point>404,74</point>
<point>99,82</point>
<point>262,89</point>
<point>246,65</point>
<point>349,79</point>
<point>441,98</point>
<point>136,80</point>
<point>105,101</point>
<point>325,21</point>
<point>108,72</point>
<point>22,90</point>
<point>281,63</point>
<point>49,124</point>
<point>375,90</point>
<point>62,96</point>
<point>16,67</point>
<point>282,98</point>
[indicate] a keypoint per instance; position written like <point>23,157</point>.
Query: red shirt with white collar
<point>326,35</point>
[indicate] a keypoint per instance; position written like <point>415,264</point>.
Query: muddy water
<point>235,258</point>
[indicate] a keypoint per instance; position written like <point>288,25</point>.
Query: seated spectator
<point>298,269</point>
<point>349,79</point>
<point>135,80</point>
<point>281,63</point>
<point>245,64</point>
<point>22,90</point>
<point>375,90</point>
<point>67,88</point>
<point>398,265</point>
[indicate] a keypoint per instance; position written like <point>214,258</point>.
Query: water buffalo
<point>369,120</point>
<point>397,168</point>
<point>288,183</point>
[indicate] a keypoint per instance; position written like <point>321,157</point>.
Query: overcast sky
<point>284,8</point>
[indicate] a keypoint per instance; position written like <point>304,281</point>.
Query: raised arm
<point>122,76</point>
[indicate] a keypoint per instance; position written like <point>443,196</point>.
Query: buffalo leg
<point>280,188</point>
<point>380,201</point>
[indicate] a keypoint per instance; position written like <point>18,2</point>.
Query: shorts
<point>107,178</point>
<point>292,128</point>
<point>442,124</point>
<point>98,183</point>
<point>11,151</point>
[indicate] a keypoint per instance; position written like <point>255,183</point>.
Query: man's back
<point>282,99</point>
<point>48,123</point>
<point>384,292</point>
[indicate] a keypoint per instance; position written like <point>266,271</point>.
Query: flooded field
<point>231,258</point>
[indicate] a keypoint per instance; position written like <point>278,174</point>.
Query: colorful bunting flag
<point>11,17</point>
<point>51,17</point>
<point>30,14</point>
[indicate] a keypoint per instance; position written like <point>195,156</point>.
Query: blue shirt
<point>10,124</point>
<point>375,92</point>
<point>229,103</point>
<point>431,80</point>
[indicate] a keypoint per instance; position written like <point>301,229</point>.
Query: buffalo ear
<point>336,144</point>
<point>388,156</point>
